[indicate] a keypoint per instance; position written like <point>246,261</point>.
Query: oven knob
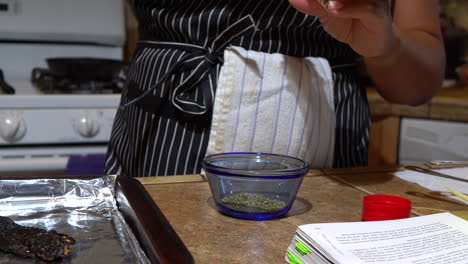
<point>12,128</point>
<point>87,126</point>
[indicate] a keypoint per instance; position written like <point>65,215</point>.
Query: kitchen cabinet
<point>449,106</point>
<point>426,140</point>
<point>384,136</point>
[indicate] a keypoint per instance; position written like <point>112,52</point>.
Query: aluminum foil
<point>83,209</point>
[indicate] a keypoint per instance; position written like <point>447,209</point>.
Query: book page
<point>434,239</point>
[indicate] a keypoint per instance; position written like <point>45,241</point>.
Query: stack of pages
<point>432,239</point>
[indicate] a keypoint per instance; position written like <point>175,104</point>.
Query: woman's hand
<point>365,25</point>
<point>401,44</point>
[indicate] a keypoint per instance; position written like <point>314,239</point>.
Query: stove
<point>49,83</point>
<point>48,119</point>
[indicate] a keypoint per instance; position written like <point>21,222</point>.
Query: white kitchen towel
<point>435,183</point>
<point>274,103</point>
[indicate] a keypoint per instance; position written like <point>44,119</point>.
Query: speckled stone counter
<point>324,196</point>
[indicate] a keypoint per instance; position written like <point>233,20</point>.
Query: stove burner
<point>48,83</point>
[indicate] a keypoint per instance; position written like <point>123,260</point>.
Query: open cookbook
<point>432,239</point>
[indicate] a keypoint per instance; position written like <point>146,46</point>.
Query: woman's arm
<point>403,52</point>
<point>413,71</point>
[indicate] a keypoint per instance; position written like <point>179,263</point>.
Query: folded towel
<point>276,104</point>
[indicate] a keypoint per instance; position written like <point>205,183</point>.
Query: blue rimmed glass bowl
<point>256,186</point>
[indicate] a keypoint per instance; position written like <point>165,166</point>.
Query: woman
<point>201,79</point>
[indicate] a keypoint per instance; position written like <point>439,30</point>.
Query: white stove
<point>40,131</point>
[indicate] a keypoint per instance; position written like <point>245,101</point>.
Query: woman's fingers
<point>366,25</point>
<point>365,10</point>
<point>360,9</point>
<point>311,7</point>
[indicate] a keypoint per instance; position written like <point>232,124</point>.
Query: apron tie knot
<point>201,67</point>
<point>212,57</point>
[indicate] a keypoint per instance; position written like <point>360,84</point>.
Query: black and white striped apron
<point>164,124</point>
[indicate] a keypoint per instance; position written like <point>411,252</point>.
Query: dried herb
<point>252,202</point>
<point>324,2</point>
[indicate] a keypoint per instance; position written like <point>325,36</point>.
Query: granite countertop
<point>450,103</point>
<point>332,195</point>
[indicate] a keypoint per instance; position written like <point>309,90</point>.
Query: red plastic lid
<point>379,207</point>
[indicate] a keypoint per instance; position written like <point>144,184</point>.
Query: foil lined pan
<point>83,209</point>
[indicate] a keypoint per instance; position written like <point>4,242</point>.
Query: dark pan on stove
<point>77,69</point>
<point>4,86</point>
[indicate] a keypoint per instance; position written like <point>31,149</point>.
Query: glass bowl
<point>256,186</point>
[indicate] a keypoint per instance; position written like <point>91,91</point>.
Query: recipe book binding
<point>432,239</point>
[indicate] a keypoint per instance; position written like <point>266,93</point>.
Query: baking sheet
<point>83,209</point>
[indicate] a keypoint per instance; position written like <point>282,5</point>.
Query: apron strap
<point>202,61</point>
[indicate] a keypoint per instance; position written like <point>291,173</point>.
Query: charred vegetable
<point>33,242</point>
